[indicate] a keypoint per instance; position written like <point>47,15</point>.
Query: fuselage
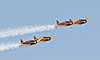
<point>65,23</point>
<point>30,42</point>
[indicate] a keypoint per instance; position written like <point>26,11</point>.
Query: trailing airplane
<point>34,41</point>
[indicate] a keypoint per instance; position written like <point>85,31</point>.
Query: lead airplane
<point>71,22</point>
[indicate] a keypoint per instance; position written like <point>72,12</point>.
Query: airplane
<point>71,22</point>
<point>65,23</point>
<point>35,40</point>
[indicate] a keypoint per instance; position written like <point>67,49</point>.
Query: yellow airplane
<point>35,40</point>
<point>71,22</point>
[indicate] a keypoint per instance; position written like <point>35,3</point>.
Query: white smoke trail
<point>8,46</point>
<point>25,30</point>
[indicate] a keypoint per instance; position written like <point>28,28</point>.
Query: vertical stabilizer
<point>21,40</point>
<point>57,21</point>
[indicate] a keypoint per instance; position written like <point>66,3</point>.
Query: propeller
<point>53,37</point>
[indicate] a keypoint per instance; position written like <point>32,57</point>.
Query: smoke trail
<point>8,46</point>
<point>25,30</point>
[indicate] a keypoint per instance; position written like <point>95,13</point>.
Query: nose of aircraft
<point>49,38</point>
<point>84,21</point>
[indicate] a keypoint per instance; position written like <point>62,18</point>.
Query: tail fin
<point>21,40</point>
<point>57,21</point>
<point>71,21</point>
<point>35,38</point>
